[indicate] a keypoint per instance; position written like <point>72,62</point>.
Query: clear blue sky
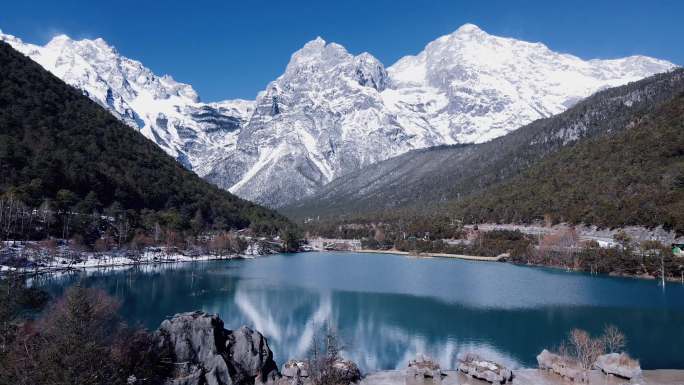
<point>229,49</point>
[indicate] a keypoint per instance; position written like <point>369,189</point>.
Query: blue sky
<point>231,49</point>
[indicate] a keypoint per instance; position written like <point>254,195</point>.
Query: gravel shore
<point>527,377</point>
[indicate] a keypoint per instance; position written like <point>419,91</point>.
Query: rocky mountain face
<point>430,179</point>
<point>325,116</point>
<point>332,112</point>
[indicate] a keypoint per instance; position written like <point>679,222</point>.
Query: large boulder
<point>477,367</point>
<point>204,352</point>
<point>346,371</point>
<point>250,356</point>
<point>423,367</point>
<point>559,365</point>
<point>621,365</point>
<point>295,372</point>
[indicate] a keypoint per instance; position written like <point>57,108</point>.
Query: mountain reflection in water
<point>387,308</point>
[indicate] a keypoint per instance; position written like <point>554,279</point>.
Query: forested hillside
<point>66,164</point>
<point>468,181</point>
<point>635,177</point>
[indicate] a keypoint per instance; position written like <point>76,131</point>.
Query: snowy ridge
<point>473,87</point>
<point>332,112</point>
<point>164,110</point>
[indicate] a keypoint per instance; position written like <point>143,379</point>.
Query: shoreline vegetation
<point>646,261</point>
<point>500,258</point>
<point>628,252</point>
<point>56,255</point>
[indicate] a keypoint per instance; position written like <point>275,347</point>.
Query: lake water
<point>386,308</point>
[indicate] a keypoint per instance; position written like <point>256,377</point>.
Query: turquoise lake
<point>386,308</point>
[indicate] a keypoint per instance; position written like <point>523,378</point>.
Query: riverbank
<point>64,265</point>
<point>526,377</point>
<point>506,258</point>
<point>433,255</point>
<point>30,257</point>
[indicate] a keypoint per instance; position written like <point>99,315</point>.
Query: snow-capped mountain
<point>323,117</point>
<point>472,87</point>
<point>332,112</point>
<point>164,110</point>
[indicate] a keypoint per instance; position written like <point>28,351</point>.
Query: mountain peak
<point>59,39</point>
<point>315,45</point>
<point>97,45</point>
<point>468,28</point>
<point>318,50</point>
<point>11,39</point>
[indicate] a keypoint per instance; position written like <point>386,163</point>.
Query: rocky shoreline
<point>202,351</point>
<point>525,376</point>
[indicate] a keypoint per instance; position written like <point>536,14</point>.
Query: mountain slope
<point>53,138</point>
<point>635,177</point>
<point>332,112</point>
<point>426,178</point>
<point>323,117</point>
<point>167,112</point>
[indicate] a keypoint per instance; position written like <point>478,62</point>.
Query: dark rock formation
<point>204,352</point>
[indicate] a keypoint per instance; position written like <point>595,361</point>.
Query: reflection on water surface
<point>387,308</point>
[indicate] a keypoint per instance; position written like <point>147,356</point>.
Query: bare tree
<point>613,339</point>
<point>584,349</point>
<point>157,233</point>
<point>561,243</point>
<point>622,238</point>
<point>220,244</point>
<point>326,366</point>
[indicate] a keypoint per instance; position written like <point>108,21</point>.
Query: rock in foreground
<point>339,372</point>
<point>204,352</point>
<point>477,367</point>
<point>346,371</point>
<point>423,367</point>
<point>295,369</point>
<point>559,365</point>
<point>620,365</point>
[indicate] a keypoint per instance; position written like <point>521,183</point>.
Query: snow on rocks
<point>28,257</point>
